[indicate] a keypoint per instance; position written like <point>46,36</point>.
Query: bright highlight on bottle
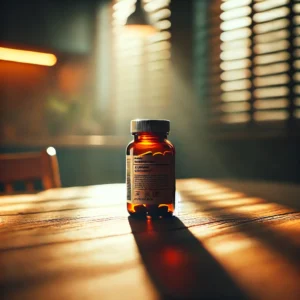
<point>28,57</point>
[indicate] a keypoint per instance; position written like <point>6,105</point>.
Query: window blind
<point>254,63</point>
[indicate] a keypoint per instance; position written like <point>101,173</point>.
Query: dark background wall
<point>201,152</point>
<point>63,26</point>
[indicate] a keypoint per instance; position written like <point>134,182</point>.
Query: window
<point>254,63</point>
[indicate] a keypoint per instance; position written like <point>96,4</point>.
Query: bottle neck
<point>150,136</point>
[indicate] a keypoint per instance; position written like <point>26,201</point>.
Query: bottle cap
<point>144,125</point>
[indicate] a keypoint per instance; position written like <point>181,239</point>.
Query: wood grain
<point>239,240</point>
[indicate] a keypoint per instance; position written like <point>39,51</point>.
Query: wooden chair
<point>28,167</point>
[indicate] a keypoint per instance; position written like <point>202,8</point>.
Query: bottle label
<point>150,179</point>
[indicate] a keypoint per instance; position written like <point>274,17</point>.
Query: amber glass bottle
<point>150,170</point>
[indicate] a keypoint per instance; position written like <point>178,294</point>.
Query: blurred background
<point>226,73</point>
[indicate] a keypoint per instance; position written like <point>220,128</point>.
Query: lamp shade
<point>139,22</point>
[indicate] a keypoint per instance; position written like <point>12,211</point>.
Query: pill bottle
<point>150,170</point>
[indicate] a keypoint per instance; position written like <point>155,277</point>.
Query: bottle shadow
<point>178,264</point>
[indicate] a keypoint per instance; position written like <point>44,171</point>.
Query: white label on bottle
<point>150,179</point>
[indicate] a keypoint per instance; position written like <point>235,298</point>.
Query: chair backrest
<point>28,167</point>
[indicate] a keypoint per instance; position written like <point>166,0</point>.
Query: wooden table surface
<point>230,239</point>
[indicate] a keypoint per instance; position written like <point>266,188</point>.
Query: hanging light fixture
<point>138,21</point>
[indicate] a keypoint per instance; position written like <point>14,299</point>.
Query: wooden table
<point>230,239</point>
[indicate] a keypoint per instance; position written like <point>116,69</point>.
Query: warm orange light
<point>235,75</point>
<point>236,118</point>
<point>236,96</point>
<point>235,64</point>
<point>236,85</point>
<point>271,80</point>
<point>271,14</point>
<point>271,92</point>
<point>271,26</point>
<point>235,107</point>
<point>141,30</point>
<point>271,115</point>
<point>28,57</point>
<point>271,58</point>
<point>266,5</point>
<point>271,104</point>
